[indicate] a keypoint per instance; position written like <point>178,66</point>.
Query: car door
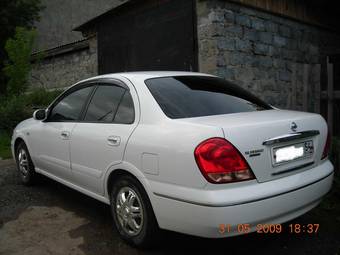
<point>50,140</point>
<point>99,139</point>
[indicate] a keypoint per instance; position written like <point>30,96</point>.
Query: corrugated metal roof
<point>62,49</point>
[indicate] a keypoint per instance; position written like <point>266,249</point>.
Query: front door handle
<point>113,140</point>
<point>65,135</point>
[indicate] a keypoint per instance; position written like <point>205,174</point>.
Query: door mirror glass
<point>39,114</point>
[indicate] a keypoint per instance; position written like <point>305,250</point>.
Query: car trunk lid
<point>262,137</point>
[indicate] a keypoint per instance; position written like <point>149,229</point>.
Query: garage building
<point>285,51</point>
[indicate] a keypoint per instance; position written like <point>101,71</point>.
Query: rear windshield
<point>196,96</point>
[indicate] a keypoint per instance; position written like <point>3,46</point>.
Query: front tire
<point>132,213</point>
<point>25,166</point>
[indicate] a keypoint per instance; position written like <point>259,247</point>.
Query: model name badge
<point>254,153</point>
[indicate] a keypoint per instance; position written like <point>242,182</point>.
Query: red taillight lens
<point>327,146</point>
<point>220,162</point>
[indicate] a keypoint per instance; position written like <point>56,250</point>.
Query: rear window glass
<point>196,96</point>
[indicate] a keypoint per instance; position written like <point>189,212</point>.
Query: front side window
<point>70,107</point>
<point>104,103</point>
<point>196,96</point>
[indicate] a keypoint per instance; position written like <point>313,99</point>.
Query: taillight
<point>220,162</point>
<point>327,146</point>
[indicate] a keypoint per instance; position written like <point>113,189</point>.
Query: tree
<point>15,13</point>
<point>17,69</point>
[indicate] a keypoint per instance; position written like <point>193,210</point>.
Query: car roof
<point>155,74</point>
<point>143,75</point>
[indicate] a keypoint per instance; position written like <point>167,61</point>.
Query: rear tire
<point>25,166</point>
<point>133,214</point>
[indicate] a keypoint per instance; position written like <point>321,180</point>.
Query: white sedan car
<point>181,151</point>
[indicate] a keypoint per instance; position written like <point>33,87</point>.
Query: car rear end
<point>267,166</point>
<point>258,191</point>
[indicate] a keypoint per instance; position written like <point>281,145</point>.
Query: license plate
<point>292,152</point>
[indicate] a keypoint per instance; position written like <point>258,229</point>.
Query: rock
<point>279,41</point>
<point>285,76</point>
<point>243,20</point>
<point>261,49</point>
<point>258,24</point>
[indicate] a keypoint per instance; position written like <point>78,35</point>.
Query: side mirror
<point>39,114</point>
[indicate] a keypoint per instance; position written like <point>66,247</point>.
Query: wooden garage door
<point>148,35</point>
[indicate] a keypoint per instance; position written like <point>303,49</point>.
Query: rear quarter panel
<point>171,146</point>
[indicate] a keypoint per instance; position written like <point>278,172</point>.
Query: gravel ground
<point>50,218</point>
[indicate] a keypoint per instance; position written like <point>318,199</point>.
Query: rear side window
<point>196,96</point>
<point>125,113</point>
<point>104,103</point>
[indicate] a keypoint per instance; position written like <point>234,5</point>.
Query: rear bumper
<point>203,219</point>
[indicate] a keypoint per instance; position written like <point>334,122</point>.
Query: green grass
<point>5,145</point>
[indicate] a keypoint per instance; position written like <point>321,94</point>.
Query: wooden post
<point>305,88</point>
<point>294,85</point>
<point>317,90</point>
<point>330,87</point>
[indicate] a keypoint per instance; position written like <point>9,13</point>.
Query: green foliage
<point>12,111</point>
<point>15,109</point>
<point>18,108</point>
<point>15,13</point>
<point>18,105</point>
<point>41,98</point>
<point>17,69</point>
<point>5,145</point>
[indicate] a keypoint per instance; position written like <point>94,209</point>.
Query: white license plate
<point>292,152</point>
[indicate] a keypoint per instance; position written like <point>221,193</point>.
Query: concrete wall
<point>259,51</point>
<point>66,69</point>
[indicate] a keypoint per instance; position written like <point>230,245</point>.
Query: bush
<point>12,111</point>
<point>41,98</point>
<point>5,145</point>
<point>17,68</point>
<point>18,108</point>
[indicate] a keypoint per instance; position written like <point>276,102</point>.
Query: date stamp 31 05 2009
<point>245,228</point>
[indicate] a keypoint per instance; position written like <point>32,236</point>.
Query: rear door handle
<point>113,140</point>
<point>65,135</point>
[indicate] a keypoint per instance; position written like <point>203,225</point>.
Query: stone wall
<point>62,70</point>
<point>260,51</point>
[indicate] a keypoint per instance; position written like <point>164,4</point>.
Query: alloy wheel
<point>23,162</point>
<point>129,210</point>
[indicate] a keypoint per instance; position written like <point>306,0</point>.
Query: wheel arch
<point>17,141</point>
<point>126,168</point>
<point>114,174</point>
<point>20,138</point>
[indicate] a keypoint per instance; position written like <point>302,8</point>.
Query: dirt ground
<point>50,218</point>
